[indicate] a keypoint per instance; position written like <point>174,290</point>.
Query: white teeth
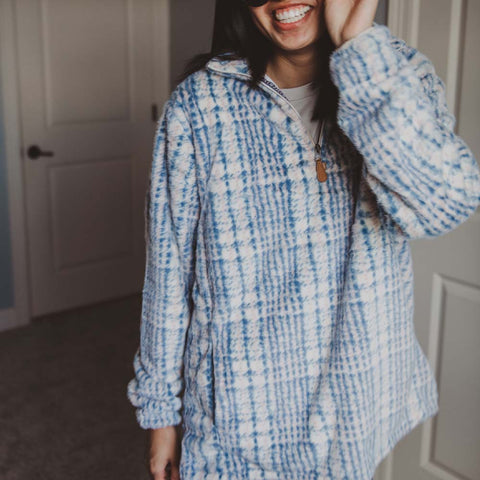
<point>292,14</point>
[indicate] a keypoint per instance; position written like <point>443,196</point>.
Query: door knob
<point>34,152</point>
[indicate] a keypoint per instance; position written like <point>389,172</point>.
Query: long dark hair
<point>235,36</point>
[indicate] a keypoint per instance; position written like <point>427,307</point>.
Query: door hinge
<point>154,112</point>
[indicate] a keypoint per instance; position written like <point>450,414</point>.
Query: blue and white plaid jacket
<point>284,305</point>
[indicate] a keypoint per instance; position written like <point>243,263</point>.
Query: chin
<point>294,46</point>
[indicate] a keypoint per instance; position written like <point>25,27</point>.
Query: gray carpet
<point>64,413</point>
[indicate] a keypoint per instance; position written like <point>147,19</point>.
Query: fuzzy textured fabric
<point>277,318</point>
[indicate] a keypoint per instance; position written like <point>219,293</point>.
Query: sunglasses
<point>254,3</point>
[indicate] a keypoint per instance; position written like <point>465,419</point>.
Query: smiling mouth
<point>291,14</point>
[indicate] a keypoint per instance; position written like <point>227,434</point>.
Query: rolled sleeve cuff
<point>152,413</point>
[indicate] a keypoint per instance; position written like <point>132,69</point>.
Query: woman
<point>290,170</point>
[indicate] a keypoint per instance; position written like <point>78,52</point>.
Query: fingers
<point>161,468</point>
<point>164,453</point>
<point>164,471</point>
<point>175,473</point>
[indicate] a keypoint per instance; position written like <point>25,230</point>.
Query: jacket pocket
<point>260,411</point>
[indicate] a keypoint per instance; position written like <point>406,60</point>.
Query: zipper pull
<point>320,166</point>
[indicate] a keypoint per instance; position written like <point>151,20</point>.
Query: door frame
<point>20,313</point>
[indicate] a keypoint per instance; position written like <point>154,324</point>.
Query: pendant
<point>321,170</point>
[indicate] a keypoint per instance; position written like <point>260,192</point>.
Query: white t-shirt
<point>303,99</point>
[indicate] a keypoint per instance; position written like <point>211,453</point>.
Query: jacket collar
<point>229,67</point>
<point>239,68</point>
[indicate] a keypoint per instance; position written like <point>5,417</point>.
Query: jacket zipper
<point>319,163</point>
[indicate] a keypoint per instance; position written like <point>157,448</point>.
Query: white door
<point>86,90</point>
<point>447,269</point>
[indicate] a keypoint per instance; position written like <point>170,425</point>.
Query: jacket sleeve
<point>392,107</point>
<point>171,215</point>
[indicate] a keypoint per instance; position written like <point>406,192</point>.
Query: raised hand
<point>345,19</point>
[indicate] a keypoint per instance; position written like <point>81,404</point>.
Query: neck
<point>289,69</point>
<point>292,69</point>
